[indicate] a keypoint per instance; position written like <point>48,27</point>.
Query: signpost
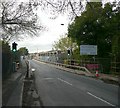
<point>89,50</point>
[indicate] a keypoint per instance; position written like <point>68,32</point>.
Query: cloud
<point>46,39</point>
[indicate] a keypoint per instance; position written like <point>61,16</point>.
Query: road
<point>60,88</point>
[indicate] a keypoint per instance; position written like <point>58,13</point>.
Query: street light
<point>69,51</point>
<point>62,24</point>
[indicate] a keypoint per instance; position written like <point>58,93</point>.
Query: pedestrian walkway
<point>13,87</point>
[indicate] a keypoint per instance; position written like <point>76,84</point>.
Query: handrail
<point>69,66</point>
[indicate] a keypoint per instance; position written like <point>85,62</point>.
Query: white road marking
<point>64,81</point>
<point>100,99</point>
<point>48,78</point>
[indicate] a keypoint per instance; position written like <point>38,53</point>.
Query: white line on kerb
<point>64,81</point>
<point>100,99</point>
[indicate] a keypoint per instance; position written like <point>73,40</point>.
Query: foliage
<point>97,27</point>
<point>5,47</point>
<point>18,18</point>
<point>64,43</point>
<point>71,7</point>
<point>6,59</point>
<point>23,51</point>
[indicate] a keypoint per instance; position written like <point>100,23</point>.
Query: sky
<point>46,38</point>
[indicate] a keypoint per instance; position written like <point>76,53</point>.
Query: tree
<point>100,28</point>
<point>18,18</point>
<point>64,43</point>
<point>6,58</point>
<point>97,29</point>
<point>23,51</point>
<point>71,7</point>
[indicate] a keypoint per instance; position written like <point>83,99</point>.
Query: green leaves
<point>64,43</point>
<point>96,25</point>
<point>23,51</point>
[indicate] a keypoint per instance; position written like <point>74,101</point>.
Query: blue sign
<point>88,49</point>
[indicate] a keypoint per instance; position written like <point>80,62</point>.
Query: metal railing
<point>68,66</point>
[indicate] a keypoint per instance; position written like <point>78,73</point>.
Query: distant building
<point>52,56</point>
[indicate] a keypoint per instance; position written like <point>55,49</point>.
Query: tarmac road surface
<point>60,88</point>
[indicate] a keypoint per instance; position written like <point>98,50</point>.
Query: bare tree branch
<point>18,18</point>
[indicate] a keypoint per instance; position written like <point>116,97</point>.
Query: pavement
<point>30,95</point>
<point>12,87</point>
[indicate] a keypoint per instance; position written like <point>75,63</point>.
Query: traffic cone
<point>97,75</point>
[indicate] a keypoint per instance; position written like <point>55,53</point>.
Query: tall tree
<point>18,18</point>
<point>71,7</point>
<point>23,51</point>
<point>6,58</point>
<point>97,29</point>
<point>65,43</point>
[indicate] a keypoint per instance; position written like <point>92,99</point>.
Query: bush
<point>6,59</point>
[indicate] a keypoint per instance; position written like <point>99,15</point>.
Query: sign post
<point>89,50</point>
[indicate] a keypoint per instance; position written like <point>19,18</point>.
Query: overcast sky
<point>46,39</point>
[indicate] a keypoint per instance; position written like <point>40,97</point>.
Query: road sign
<point>88,49</point>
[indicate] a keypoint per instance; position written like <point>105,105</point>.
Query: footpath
<point>30,97</point>
<point>19,89</point>
<point>12,87</point>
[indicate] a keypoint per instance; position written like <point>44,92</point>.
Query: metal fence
<point>93,64</point>
<point>115,67</point>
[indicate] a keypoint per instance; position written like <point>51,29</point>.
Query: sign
<point>92,66</point>
<point>88,49</point>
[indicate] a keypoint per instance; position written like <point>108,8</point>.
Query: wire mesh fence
<point>93,64</point>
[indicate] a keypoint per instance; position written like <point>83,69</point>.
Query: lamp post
<point>69,50</point>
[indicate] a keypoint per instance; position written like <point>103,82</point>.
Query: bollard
<point>17,65</point>
<point>27,75</point>
<point>14,67</point>
<point>97,75</point>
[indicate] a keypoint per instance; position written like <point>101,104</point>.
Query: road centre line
<point>100,99</point>
<point>64,81</point>
<point>47,78</point>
